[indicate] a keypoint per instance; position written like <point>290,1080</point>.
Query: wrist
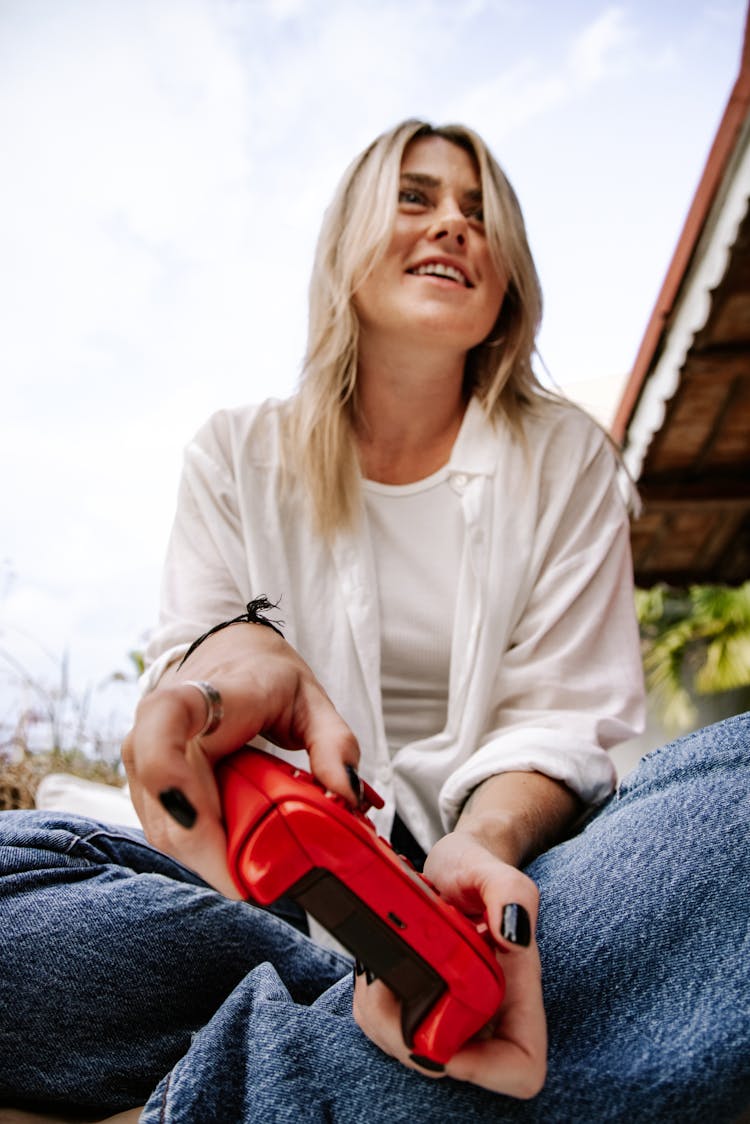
<point>517,815</point>
<point>223,652</point>
<point>497,831</point>
<point>254,614</point>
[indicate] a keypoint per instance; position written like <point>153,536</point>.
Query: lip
<point>434,259</point>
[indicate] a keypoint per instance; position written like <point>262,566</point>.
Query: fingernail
<point>179,807</point>
<point>516,926</point>
<point>359,968</point>
<point>427,1063</point>
<point>354,781</point>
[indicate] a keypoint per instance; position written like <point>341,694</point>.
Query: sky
<point>165,166</point>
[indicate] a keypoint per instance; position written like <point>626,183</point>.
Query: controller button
<point>370,798</point>
<point>427,1063</point>
<point>306,778</point>
<point>396,920</point>
<point>336,799</point>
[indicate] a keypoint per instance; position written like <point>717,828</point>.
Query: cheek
<point>494,302</point>
<point>496,294</point>
<point>377,294</point>
<point>368,297</point>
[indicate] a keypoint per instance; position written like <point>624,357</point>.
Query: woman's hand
<point>510,1056</point>
<point>265,688</point>
<point>505,822</point>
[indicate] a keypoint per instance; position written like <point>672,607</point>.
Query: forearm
<point>518,815</point>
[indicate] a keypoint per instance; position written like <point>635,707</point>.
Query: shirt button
<point>460,480</point>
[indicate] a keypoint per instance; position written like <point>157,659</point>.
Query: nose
<point>450,225</point>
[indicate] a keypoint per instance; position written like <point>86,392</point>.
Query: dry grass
<point>21,773</point>
<point>48,726</point>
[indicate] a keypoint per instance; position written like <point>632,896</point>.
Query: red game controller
<point>288,836</point>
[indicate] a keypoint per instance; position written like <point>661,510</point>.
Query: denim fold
<point>126,980</point>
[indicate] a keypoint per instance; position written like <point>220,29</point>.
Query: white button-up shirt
<point>545,669</point>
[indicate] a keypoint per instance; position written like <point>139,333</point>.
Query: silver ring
<point>214,706</point>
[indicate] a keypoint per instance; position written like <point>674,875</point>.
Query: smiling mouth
<point>440,269</point>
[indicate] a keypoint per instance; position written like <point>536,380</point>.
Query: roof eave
<point>727,137</point>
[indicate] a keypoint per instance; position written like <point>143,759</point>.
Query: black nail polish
<point>427,1063</point>
<point>179,807</point>
<point>516,926</point>
<point>354,781</point>
<point>359,968</point>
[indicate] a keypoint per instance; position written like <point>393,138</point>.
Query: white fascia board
<point>693,304</point>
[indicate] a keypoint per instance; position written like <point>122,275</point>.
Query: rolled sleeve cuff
<point>151,676</point>
<point>585,768</point>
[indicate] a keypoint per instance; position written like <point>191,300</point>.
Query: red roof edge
<point>708,186</point>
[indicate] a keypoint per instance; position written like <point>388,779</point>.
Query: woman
<point>450,557</point>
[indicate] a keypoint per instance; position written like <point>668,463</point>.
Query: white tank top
<point>417,533</point>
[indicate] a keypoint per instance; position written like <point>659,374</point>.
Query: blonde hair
<point>355,233</point>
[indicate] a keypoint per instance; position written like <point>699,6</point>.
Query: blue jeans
<point>125,980</point>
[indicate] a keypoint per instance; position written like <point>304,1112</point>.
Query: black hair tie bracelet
<point>253,615</point>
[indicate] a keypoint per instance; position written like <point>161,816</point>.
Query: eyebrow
<point>421,179</point>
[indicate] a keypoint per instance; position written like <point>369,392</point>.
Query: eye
<point>411,197</point>
<point>475,213</point>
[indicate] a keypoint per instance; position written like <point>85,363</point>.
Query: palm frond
<point>693,641</point>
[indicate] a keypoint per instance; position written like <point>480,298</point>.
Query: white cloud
<point>540,81</point>
<point>506,103</point>
<point>597,50</point>
<point>120,183</point>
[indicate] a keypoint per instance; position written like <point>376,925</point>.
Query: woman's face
<point>436,281</point>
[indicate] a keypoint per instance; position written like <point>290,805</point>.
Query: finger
<point>377,1012</point>
<point>253,699</point>
<point>155,753</point>
<point>266,688</point>
<point>260,678</point>
<point>515,925</point>
<point>292,710</point>
<point>332,747</point>
<point>202,848</point>
<point>514,1060</point>
<point>500,1066</point>
<point>512,923</point>
<point>510,904</point>
<point>172,786</point>
<point>486,889</point>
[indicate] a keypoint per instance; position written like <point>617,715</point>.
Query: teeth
<point>438,269</point>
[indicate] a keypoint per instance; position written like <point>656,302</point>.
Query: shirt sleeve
<point>205,579</point>
<point>569,685</point>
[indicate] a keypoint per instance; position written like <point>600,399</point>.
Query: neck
<point>409,412</point>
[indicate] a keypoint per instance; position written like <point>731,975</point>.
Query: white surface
<point>62,792</point>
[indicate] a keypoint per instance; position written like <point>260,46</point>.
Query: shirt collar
<point>476,449</point>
